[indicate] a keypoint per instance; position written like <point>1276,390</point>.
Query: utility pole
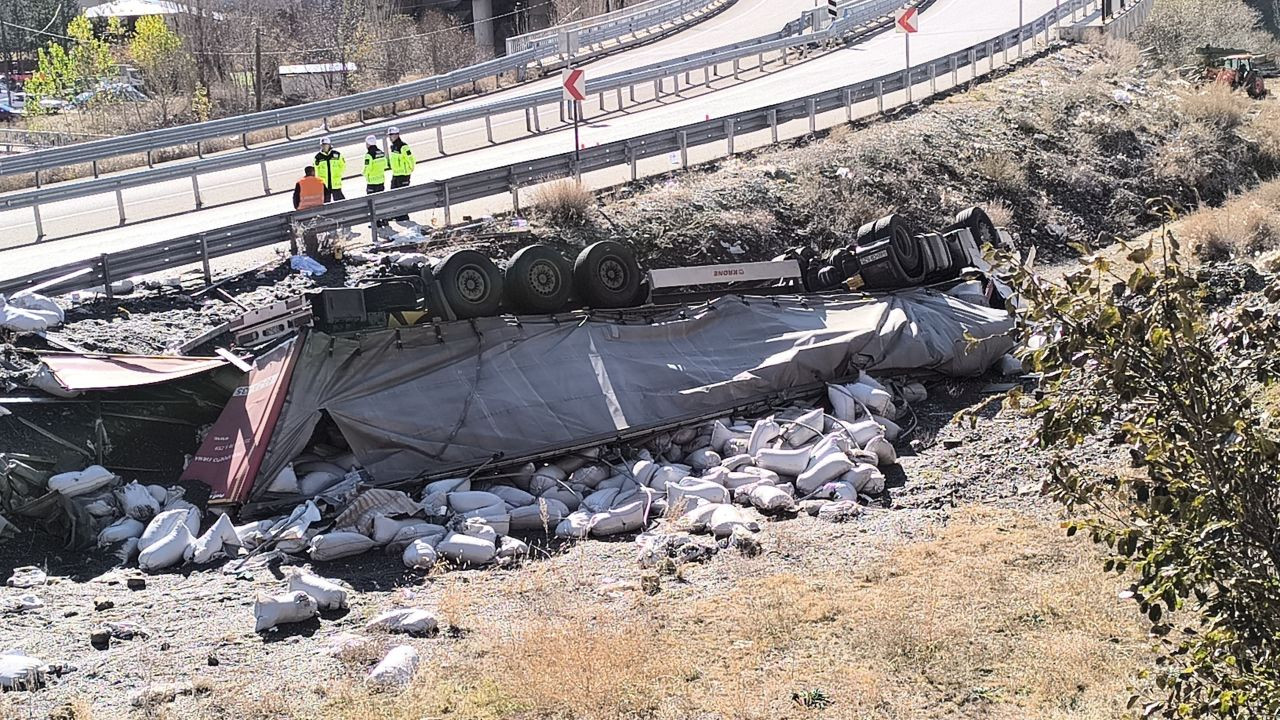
<point>8,63</point>
<point>257,68</point>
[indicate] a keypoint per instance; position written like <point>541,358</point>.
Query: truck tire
<point>906,247</point>
<point>977,222</point>
<point>538,280</point>
<point>939,254</point>
<point>607,275</point>
<point>471,284</point>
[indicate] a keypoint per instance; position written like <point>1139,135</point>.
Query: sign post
<point>832,11</point>
<point>907,21</point>
<point>574,81</point>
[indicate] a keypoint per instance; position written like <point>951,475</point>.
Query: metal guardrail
<point>1125,24</point>
<point>519,43</point>
<point>194,134</point>
<point>206,246</point>
<point>858,19</point>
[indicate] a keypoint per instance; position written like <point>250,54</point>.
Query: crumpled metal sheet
<point>359,514</point>
<point>77,372</point>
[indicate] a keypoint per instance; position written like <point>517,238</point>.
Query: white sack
<point>564,496</point>
<point>18,672</point>
<point>447,485</point>
<point>166,551</point>
<point>805,428</point>
<point>695,490</point>
<point>396,669</point>
<point>81,482</point>
<point>163,524</point>
<point>725,518</point>
<point>314,483</point>
<point>545,513</point>
<point>825,470</point>
<point>386,529</point>
<point>478,528</point>
<point>600,500</point>
<point>137,501</point>
<point>511,548</point>
<point>462,502</point>
<point>466,549</point>
<point>514,497</point>
<point>643,471</point>
<point>764,433</point>
<point>425,531</point>
<point>627,517</point>
<point>420,555</point>
<point>219,539</point>
<point>575,525</point>
<point>495,516</point>
<point>668,474</point>
<point>410,621</point>
<point>590,475</point>
<point>328,594</point>
<point>335,545</point>
<point>884,450</point>
<point>891,429</point>
<point>863,431</point>
<point>735,462</point>
<point>119,531</point>
<point>702,459</point>
<point>285,482</point>
<point>768,498</point>
<point>291,607</point>
<point>783,462</point>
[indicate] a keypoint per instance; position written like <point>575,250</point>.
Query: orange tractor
<point>1238,69</point>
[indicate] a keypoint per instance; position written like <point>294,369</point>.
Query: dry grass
<point>998,616</point>
<point>1245,225</point>
<point>999,212</point>
<point>1264,129</point>
<point>1217,105</point>
<point>1004,172</point>
<point>563,203</point>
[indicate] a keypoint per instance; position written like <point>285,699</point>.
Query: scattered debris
<point>27,577</point>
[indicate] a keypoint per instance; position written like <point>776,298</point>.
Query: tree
<point>28,19</point>
<point>61,74</point>
<point>1194,522</point>
<point>165,63</point>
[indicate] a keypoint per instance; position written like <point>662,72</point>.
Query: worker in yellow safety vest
<point>375,170</point>
<point>308,192</point>
<point>402,163</point>
<point>330,167</point>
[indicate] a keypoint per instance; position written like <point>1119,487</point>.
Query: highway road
<point>743,20</point>
<point>949,25</point>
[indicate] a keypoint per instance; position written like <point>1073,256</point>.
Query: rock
<point>28,577</point>
<point>213,660</point>
<point>100,638</point>
<point>650,584</point>
<point>160,693</point>
<point>811,507</point>
<point>136,583</point>
<point>102,603</point>
<point>745,542</point>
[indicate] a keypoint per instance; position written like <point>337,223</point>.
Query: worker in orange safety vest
<point>308,192</point>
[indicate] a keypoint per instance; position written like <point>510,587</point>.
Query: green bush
<point>1133,355</point>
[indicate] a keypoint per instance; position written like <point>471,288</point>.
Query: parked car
<point>109,92</point>
<point>8,114</point>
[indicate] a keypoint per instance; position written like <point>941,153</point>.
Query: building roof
<point>140,8</point>
<point>317,68</point>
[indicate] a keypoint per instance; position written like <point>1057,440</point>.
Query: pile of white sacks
<point>719,478</point>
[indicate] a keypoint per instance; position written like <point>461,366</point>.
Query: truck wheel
<point>976,221</point>
<point>538,279</point>
<point>903,244</point>
<point>471,283</point>
<point>607,275</point>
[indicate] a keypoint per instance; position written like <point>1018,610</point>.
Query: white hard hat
<point>325,140</point>
<point>371,140</point>
<point>393,130</point>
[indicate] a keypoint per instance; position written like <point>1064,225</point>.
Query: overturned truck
<point>416,378</point>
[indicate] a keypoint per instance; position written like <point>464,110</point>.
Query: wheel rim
<point>544,279</point>
<point>613,274</point>
<point>472,283</point>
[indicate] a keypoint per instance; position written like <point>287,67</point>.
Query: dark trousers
<point>331,195</point>
<point>371,189</point>
<point>399,181</point>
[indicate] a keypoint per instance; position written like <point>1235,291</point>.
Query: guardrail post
<point>760,61</point>
<point>657,88</point>
<point>287,136</point>
<point>244,140</point>
<point>728,133</point>
<point>199,149</point>
<point>204,260</point>
<point>812,106</point>
<point>37,178</point>
<point>736,68</point>
<point>266,184</point>
<point>683,137</point>
<point>120,205</point>
<point>631,160</point>
<point>488,128</point>
<point>373,219</point>
<point>848,105</point>
<point>933,78</point>
<point>195,190</point>
<point>537,119</point>
<point>440,139</point>
<point>619,100</point>
<point>1046,31</point>
<point>991,55</point>
<point>784,55</point>
<point>773,125</point>
<point>955,71</point>
<point>515,199</point>
<point>35,210</point>
<point>106,275</point>
<point>631,89</point>
<point>150,163</point>
<point>880,96</point>
<point>448,218</point>
<point>528,120</point>
<point>95,168</point>
<point>563,119</point>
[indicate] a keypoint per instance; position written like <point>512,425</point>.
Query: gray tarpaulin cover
<point>410,403</point>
